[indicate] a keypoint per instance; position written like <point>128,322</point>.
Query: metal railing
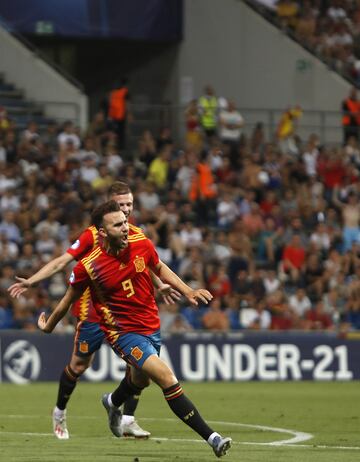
<point>326,124</point>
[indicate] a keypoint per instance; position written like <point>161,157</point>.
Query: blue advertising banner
<point>27,357</point>
<point>136,19</point>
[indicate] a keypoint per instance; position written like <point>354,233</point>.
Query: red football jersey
<point>121,287</point>
<point>83,308</point>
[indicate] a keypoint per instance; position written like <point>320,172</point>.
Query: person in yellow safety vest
<point>208,107</point>
<point>351,116</point>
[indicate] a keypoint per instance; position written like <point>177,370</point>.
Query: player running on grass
<point>117,273</point>
<point>88,335</point>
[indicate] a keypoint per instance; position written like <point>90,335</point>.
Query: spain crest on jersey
<point>139,263</point>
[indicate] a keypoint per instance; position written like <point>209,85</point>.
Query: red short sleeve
<point>83,245</point>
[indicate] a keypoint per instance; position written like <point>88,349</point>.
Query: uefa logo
<point>22,362</point>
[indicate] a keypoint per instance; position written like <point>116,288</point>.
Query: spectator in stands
<point>31,132</point>
<point>271,282</point>
<point>219,283</point>
<point>159,168</point>
<point>50,223</point>
<point>242,286</point>
<point>305,29</point>
<point>226,210</point>
<point>4,121</point>
<point>190,234</point>
<point>9,228</point>
<point>256,318</point>
<point>230,125</point>
<point>9,201</point>
<point>269,242</point>
<point>28,261</point>
<point>257,141</point>
<point>214,319</point>
<point>148,197</point>
<point>147,148</point>
<point>311,154</point>
<point>289,204</point>
<point>352,310</point>
<point>318,319</point>
<point>351,218</point>
<point>268,202</point>
<point>171,319</point>
<point>351,116</point>
<point>164,138</point>
<point>241,257</point>
<point>10,146</point>
<point>293,259</point>
<point>299,303</point>
<point>68,134</point>
<point>105,179</point>
<point>281,314</point>
<point>193,136</point>
<point>287,12</point>
<point>250,177</point>
<point>314,276</point>
<point>6,314</point>
<point>336,12</point>
<point>286,131</point>
<point>334,305</point>
<point>113,160</point>
<point>295,226</point>
<point>321,238</point>
<point>9,250</point>
<point>45,244</point>
<point>253,223</point>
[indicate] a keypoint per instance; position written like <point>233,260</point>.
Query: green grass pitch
<point>328,411</point>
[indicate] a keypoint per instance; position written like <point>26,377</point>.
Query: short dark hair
<point>103,209</point>
<point>119,187</point>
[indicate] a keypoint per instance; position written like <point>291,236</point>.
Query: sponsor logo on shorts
<point>139,263</point>
<point>137,353</point>
<point>84,347</point>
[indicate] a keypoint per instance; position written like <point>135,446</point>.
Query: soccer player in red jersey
<point>117,273</point>
<point>89,336</point>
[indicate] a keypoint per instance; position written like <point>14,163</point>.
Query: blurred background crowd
<point>268,224</point>
<point>328,28</point>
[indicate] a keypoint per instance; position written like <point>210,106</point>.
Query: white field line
<point>297,436</point>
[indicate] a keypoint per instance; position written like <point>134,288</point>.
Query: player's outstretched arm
<point>48,325</point>
<point>51,268</point>
<point>194,296</point>
<point>169,294</point>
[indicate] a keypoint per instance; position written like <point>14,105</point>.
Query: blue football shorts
<point>136,348</point>
<point>88,338</point>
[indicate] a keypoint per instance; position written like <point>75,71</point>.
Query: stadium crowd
<point>328,28</point>
<point>269,226</point>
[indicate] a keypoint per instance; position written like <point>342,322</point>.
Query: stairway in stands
<point>20,109</point>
